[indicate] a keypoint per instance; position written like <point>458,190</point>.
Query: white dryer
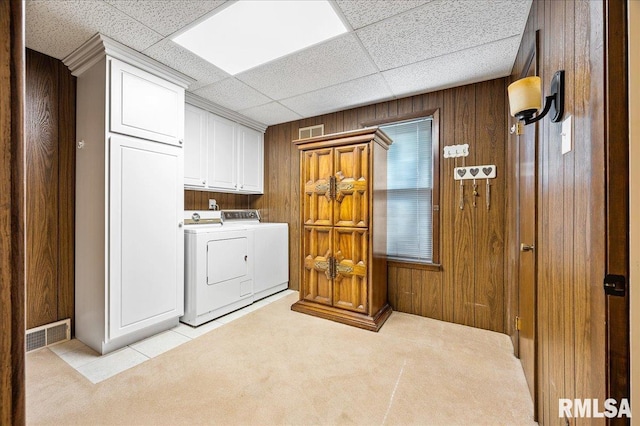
<point>219,266</point>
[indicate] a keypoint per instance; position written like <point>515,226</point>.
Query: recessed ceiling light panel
<point>249,33</point>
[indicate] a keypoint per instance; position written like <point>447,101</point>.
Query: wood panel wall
<point>570,251</point>
<point>468,286</point>
<point>199,200</point>
<point>12,192</point>
<point>50,182</point>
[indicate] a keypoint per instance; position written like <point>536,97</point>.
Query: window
<point>411,190</point>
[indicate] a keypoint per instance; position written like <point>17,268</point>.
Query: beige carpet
<point>274,366</point>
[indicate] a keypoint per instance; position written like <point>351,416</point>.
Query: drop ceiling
<point>393,49</point>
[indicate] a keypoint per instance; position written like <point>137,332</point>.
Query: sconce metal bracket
<point>554,103</point>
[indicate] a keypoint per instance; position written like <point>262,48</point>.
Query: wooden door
<point>351,207</point>
<point>317,168</point>
<point>527,288</point>
<point>351,251</point>
<point>146,267</point>
<point>317,285</point>
<point>527,263</point>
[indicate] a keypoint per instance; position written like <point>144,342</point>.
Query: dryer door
<point>227,259</point>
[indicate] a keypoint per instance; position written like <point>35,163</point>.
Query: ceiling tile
<point>166,17</point>
<point>335,61</point>
<point>232,94</point>
<point>271,113</point>
<point>57,28</point>
<point>481,63</point>
<point>442,27</point>
<point>360,13</point>
<point>362,91</point>
<point>183,60</point>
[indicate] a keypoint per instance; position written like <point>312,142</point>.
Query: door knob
<point>526,247</point>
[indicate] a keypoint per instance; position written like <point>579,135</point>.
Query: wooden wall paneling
<point>404,297</point>
<point>392,289</point>
<point>350,119</point>
<point>189,200</point>
<point>465,220</point>
<point>66,196</point>
<point>365,114</point>
<point>556,291</point>
<point>582,199</point>
<point>449,196</point>
<point>405,106</point>
<point>489,224</point>
<point>568,203</point>
<point>42,158</point>
<point>428,295</point>
<point>12,214</point>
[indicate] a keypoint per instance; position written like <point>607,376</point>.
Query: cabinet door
<point>317,168</point>
<point>351,207</point>
<point>351,250</point>
<point>145,106</point>
<point>222,154</point>
<point>317,285</point>
<point>195,146</point>
<point>146,243</point>
<point>251,159</point>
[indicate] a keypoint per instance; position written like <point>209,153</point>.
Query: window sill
<point>414,265</point>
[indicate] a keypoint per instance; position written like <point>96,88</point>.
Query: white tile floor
<point>97,368</point>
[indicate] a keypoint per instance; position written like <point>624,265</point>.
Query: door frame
<point>634,195</point>
<point>532,61</point>
<point>12,213</point>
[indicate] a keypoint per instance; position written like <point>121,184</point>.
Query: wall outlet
<point>212,204</point>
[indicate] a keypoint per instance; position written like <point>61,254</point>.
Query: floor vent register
<point>48,334</point>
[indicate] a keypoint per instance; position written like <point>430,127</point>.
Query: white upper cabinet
<point>145,106</point>
<point>222,171</point>
<point>195,146</point>
<point>221,155</point>
<point>250,160</point>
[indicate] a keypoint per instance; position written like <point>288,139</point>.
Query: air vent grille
<point>48,334</point>
<point>311,131</point>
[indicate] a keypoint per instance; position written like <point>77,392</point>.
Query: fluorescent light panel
<point>250,33</point>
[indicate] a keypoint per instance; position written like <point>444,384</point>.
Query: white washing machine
<point>218,267</point>
<point>271,250</point>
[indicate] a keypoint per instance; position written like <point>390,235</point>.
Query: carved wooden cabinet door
<point>351,254</point>
<point>317,169</point>
<point>317,285</point>
<point>351,206</point>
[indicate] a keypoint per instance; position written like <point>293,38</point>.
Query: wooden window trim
<point>434,114</point>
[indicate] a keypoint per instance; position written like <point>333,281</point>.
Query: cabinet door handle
<point>204,182</point>
<point>181,141</point>
<point>179,224</point>
<point>241,186</point>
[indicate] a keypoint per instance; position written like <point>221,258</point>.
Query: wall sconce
<point>525,98</point>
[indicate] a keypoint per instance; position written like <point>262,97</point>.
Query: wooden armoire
<point>343,205</point>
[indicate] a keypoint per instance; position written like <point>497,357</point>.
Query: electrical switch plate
<point>212,204</point>
<point>566,135</point>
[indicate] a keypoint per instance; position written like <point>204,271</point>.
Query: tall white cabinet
<point>129,195</point>
<point>222,155</point>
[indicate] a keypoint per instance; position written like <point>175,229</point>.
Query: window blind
<point>409,191</point>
